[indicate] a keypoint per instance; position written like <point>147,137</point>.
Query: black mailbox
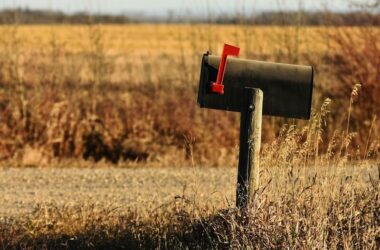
<point>287,88</point>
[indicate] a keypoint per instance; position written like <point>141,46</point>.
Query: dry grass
<point>126,95</point>
<point>324,207</point>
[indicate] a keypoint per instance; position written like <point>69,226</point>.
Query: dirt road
<point>21,189</point>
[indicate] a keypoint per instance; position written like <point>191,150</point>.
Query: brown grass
<point>127,94</point>
<point>325,207</point>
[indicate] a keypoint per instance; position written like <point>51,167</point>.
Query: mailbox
<point>253,88</point>
<point>287,88</point>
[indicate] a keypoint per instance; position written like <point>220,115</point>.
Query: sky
<point>162,7</point>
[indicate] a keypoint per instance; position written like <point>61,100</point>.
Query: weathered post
<point>250,142</point>
<point>253,88</point>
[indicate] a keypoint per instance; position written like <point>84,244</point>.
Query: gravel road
<point>22,189</point>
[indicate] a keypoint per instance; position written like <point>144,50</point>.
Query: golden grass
<point>157,39</point>
<point>163,38</point>
<point>126,95</point>
<point>99,90</point>
<point>132,47</point>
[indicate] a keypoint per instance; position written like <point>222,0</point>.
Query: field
<point>102,144</point>
<point>106,92</point>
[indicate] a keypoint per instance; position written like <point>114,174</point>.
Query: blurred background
<point>116,81</point>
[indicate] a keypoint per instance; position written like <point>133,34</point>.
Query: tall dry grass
<point>107,92</point>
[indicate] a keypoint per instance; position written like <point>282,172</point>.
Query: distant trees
<point>359,18</point>
<point>27,16</point>
<point>368,4</point>
<point>318,18</point>
<point>374,4</point>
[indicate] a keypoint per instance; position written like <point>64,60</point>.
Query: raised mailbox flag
<point>228,50</point>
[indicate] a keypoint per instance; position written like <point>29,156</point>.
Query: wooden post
<point>250,142</point>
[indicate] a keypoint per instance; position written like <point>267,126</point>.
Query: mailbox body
<point>287,88</point>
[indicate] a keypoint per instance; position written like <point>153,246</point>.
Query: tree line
<point>359,18</point>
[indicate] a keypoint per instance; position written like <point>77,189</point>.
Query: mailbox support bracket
<point>250,143</point>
